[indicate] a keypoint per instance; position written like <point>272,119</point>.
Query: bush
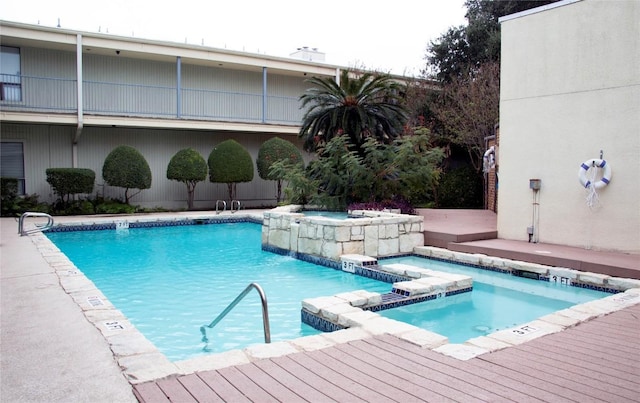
<point>13,205</point>
<point>230,163</point>
<point>272,151</point>
<point>104,206</point>
<point>68,181</point>
<point>125,167</point>
<point>460,188</point>
<point>188,167</point>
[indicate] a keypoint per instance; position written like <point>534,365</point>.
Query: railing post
<point>264,95</point>
<point>179,87</point>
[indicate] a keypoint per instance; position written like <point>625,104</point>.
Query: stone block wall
<point>376,234</point>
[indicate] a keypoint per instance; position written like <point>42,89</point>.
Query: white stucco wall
<point>570,87</point>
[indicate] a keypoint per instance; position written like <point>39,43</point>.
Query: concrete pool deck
<point>50,351</point>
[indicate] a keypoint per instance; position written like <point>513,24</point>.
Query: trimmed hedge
<point>68,181</point>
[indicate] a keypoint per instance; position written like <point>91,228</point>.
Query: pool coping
<point>141,361</point>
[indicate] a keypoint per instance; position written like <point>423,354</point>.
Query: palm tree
<point>360,107</point>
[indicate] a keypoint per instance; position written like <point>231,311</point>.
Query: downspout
<point>74,147</point>
<point>338,76</point>
<point>264,95</point>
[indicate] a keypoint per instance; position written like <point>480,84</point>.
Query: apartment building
<point>68,98</point>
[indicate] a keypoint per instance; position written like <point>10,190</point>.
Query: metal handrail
<point>237,202</point>
<point>224,205</point>
<point>265,313</point>
<point>44,227</point>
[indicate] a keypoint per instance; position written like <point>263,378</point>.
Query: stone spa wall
<point>372,233</point>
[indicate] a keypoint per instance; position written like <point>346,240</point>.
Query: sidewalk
<point>49,352</point>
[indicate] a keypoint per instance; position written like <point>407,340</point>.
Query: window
<point>10,79</point>
<point>12,163</point>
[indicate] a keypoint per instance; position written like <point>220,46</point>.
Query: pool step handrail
<point>224,206</point>
<point>39,227</point>
<point>237,203</point>
<point>265,313</point>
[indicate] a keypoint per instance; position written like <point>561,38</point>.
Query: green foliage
<point>363,106</point>
<point>460,188</point>
<point>301,188</point>
<point>68,181</point>
<point>188,167</point>
<point>125,167</point>
<point>230,163</point>
<point>272,151</point>
<point>106,206</point>
<point>13,205</point>
<point>404,170</point>
<point>462,49</point>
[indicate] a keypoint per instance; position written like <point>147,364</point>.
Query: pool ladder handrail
<point>265,313</point>
<point>224,206</point>
<point>236,202</point>
<point>40,227</point>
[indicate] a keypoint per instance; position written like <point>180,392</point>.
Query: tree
<point>469,110</point>
<point>230,163</point>
<point>188,167</point>
<point>404,170</point>
<point>68,181</point>
<point>125,167</point>
<point>363,106</point>
<point>465,48</point>
<point>272,151</point>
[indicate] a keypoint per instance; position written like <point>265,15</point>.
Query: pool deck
<point>51,352</point>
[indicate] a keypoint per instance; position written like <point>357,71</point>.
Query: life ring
<point>595,163</point>
<point>489,159</point>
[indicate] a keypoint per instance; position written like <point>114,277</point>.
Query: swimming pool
<point>169,281</point>
<point>498,301</point>
<point>221,260</point>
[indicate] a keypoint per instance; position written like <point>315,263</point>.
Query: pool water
<point>498,301</point>
<point>169,281</point>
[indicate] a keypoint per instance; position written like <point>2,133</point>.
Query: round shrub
<point>275,150</point>
<point>230,163</point>
<point>125,167</point>
<point>188,167</point>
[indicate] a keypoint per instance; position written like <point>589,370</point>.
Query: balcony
<point>59,95</point>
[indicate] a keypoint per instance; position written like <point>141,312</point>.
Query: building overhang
<point>147,123</point>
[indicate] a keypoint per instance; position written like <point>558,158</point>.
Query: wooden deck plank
<point>175,391</point>
<point>245,385</point>
<point>526,384</point>
<point>600,385</point>
<point>598,333</point>
<point>612,349</point>
<point>546,376</point>
<point>367,376</point>
<point>199,389</point>
<point>149,392</point>
<point>361,386</point>
<point>602,370</point>
<point>594,351</point>
<point>291,381</point>
<point>529,392</point>
<point>222,387</point>
<point>428,365</point>
<point>272,386</point>
<point>424,373</point>
<point>390,377</point>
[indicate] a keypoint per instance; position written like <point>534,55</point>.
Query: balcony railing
<point>59,95</point>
